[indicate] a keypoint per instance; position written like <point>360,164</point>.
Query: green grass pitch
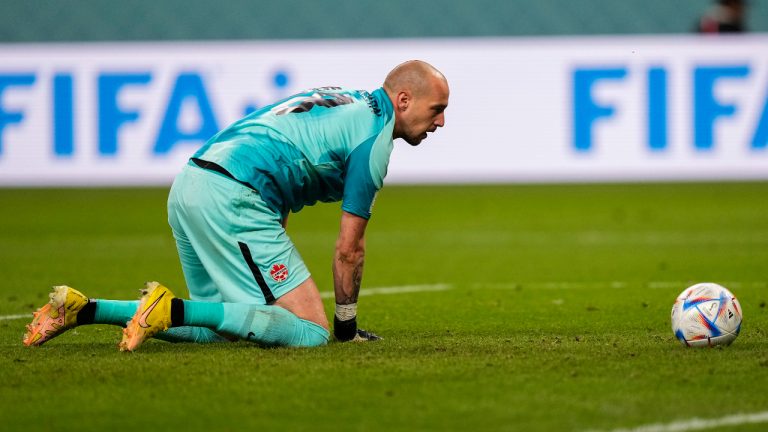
<point>554,314</point>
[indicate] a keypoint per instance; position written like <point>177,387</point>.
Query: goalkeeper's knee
<point>312,335</point>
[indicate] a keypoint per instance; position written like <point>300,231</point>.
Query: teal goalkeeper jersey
<point>326,144</point>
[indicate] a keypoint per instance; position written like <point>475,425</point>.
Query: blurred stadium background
<point>147,20</point>
<point>121,93</point>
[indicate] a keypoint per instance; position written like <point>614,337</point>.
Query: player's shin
<point>115,312</point>
<point>191,334</point>
<point>266,325</point>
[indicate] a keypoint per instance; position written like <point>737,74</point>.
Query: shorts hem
<point>285,289</point>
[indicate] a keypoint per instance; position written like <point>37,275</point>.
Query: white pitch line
<point>551,285</point>
<point>13,317</point>
<point>363,292</point>
<point>610,284</point>
<point>395,290</point>
<point>695,424</point>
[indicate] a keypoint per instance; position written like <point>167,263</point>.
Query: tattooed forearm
<point>347,278</point>
<point>357,279</point>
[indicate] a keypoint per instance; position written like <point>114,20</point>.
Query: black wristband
<point>344,330</point>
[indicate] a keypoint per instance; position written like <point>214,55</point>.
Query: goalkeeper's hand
<point>365,336</point>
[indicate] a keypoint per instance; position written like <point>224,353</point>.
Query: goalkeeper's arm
<point>348,274</point>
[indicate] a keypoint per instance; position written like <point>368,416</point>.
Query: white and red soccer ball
<point>706,314</point>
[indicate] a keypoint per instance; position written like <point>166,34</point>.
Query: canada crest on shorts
<point>279,272</point>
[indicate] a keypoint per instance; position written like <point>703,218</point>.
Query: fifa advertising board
<point>521,109</point>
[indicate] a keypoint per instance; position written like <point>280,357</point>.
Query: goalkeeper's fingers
<point>365,336</point>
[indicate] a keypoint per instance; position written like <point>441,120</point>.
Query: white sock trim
<point>346,312</point>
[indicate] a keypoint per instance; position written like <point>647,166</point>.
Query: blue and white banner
<point>521,109</point>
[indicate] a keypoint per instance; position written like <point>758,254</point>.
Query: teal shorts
<point>231,245</point>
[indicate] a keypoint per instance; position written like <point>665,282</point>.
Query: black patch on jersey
<point>318,98</point>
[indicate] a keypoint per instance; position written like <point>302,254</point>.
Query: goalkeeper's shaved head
<point>419,96</point>
<point>414,75</point>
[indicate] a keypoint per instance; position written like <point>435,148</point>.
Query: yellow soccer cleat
<point>152,316</point>
<point>55,317</point>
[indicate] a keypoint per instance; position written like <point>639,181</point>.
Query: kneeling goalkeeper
<point>229,207</point>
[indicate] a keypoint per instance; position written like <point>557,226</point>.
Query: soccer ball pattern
<point>706,314</point>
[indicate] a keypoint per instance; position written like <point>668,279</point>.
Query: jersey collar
<point>384,103</point>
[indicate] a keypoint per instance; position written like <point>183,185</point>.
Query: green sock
<point>116,312</point>
<point>119,312</point>
<point>267,325</point>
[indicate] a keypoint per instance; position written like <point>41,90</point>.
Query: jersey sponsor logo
<point>279,272</point>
